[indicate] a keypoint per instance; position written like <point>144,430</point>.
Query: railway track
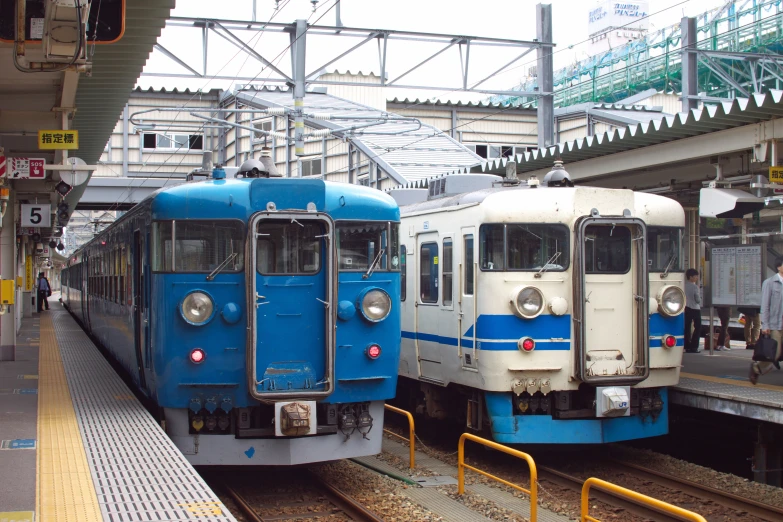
<point>312,498</point>
<point>700,493</point>
<point>724,498</point>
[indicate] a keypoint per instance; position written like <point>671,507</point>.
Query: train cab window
<point>664,249</point>
<point>468,265</point>
<point>607,249</point>
<point>361,244</point>
<point>284,247</point>
<point>536,247</point>
<point>428,276</point>
<point>448,273</point>
<point>197,246</point>
<point>492,251</point>
<point>403,272</point>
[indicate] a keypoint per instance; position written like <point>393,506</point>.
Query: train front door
<point>293,304</point>
<point>611,300</point>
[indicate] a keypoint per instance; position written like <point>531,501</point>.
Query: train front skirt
<point>508,428</point>
<point>227,450</point>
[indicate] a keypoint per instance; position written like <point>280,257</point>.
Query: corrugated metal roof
<point>406,156</point>
<point>461,104</point>
<point>101,96</point>
<point>710,118</point>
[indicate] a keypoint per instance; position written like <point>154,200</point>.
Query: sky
<point>511,19</point>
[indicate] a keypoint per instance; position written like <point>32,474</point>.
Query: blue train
<point>259,314</point>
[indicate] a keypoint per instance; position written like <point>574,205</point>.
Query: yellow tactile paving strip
<point>64,486</point>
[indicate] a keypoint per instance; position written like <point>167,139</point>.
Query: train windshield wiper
<point>221,266</point>
<point>374,263</point>
<point>551,259</point>
<point>669,266</point>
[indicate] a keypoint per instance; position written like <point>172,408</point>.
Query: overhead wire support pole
<point>545,72</point>
<point>299,52</point>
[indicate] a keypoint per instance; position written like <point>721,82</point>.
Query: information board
<point>737,274</point>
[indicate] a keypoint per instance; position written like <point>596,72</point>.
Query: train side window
<point>448,272</point>
<point>403,272</point>
<point>428,276</point>
<point>161,245</point>
<point>468,265</point>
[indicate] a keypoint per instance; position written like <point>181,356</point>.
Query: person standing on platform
<point>771,318</point>
<point>44,291</point>
<point>692,311</point>
<point>752,326</point>
<point>724,339</point>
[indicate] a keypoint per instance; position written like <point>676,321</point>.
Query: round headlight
<point>376,305</point>
<point>671,300</point>
<point>197,307</point>
<point>528,302</point>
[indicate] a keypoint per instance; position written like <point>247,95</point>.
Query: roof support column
<point>690,86</point>
<point>125,141</point>
<point>545,72</point>
<point>8,271</point>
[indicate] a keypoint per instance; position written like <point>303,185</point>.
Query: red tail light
<point>373,351</point>
<point>669,341</point>
<point>197,356</point>
<point>527,344</point>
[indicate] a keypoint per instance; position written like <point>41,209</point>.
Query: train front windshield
<point>198,246</point>
<point>664,249</point>
<point>364,244</point>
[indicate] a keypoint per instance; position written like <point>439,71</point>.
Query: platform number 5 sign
<point>36,215</point>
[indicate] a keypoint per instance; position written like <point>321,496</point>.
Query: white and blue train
<point>541,312</point>
<point>260,316</point>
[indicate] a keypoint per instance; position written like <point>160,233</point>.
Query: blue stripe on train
<point>495,330</point>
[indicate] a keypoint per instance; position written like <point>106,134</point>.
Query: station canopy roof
<point>406,155</point>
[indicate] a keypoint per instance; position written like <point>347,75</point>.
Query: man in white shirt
<point>771,318</point>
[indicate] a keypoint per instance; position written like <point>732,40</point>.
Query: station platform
<point>76,443</point>
<point>719,383</point>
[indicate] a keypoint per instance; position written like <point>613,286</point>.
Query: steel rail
<point>342,502</point>
<point>349,505</point>
<point>606,497</point>
<point>724,498</point>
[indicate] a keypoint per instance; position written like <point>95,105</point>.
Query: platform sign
<point>24,168</point>
<point>17,444</point>
<point>36,215</point>
<point>776,175</point>
<point>737,275</point>
<point>58,139</point>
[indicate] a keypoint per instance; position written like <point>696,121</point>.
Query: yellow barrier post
<point>412,433</point>
<point>633,495</point>
<point>533,491</point>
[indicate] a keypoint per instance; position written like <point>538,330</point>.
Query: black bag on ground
<point>766,349</point>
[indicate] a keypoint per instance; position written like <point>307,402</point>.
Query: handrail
<point>533,491</point>
<point>632,495</point>
<point>412,433</point>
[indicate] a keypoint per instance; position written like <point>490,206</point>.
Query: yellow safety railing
<point>533,491</point>
<point>633,495</point>
<point>412,433</point>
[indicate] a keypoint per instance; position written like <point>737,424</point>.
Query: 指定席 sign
<point>58,139</point>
